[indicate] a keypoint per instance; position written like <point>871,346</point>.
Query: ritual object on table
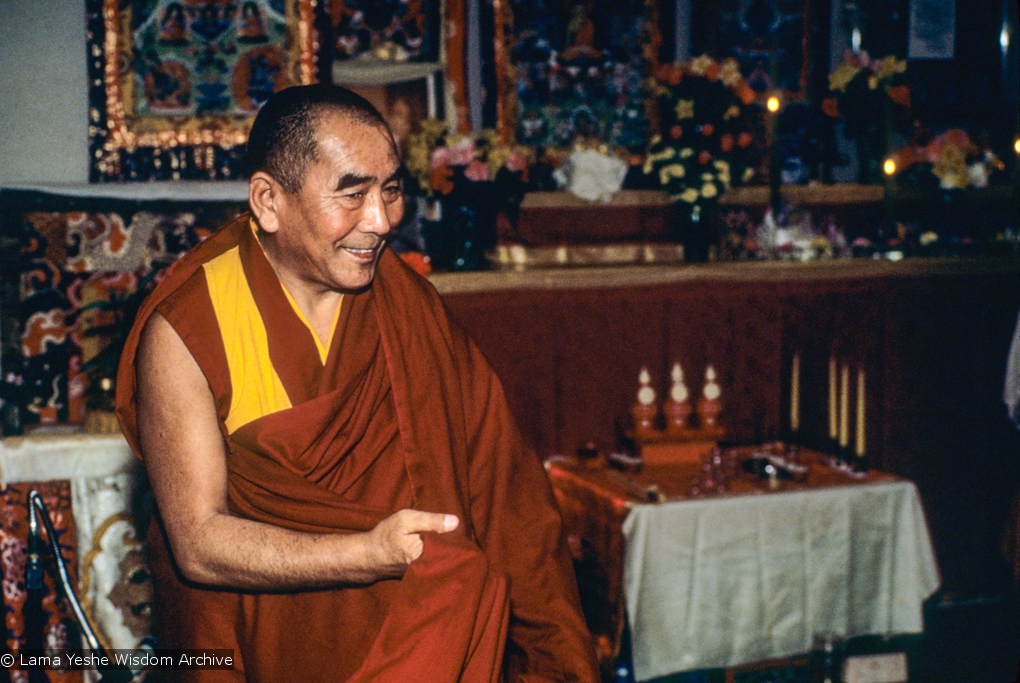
<point>843,451</point>
<point>644,409</point>
<point>679,440</point>
<point>590,455</point>
<point>833,406</point>
<point>710,405</point>
<point>776,461</point>
<point>677,407</point>
<point>795,394</point>
<point>860,458</point>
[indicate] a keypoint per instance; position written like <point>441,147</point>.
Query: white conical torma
<point>678,391</point>
<point>711,390</point>
<point>645,394</point>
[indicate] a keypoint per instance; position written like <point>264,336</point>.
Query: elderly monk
<point>342,492</point>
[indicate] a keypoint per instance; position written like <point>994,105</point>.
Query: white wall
<point>43,92</point>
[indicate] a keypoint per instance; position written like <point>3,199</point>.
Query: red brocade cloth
<point>405,412</point>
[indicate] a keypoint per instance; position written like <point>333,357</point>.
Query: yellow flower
<point>690,195</point>
<point>748,174</point>
<point>671,171</point>
<point>657,89</point>
<point>700,65</point>
<point>664,155</point>
<point>872,82</point>
<point>890,66</point>
<point>709,190</point>
<point>732,112</point>
<point>498,157</point>
<point>951,168</point>
<point>723,167</point>
<point>729,73</point>
<point>842,75</point>
<point>686,153</point>
<point>685,109</point>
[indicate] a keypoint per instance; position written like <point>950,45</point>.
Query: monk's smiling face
<point>330,233</point>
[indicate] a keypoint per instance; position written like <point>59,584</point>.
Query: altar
<point>724,578</point>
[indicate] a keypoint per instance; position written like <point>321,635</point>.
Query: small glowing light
<point>1004,38</point>
<point>1016,145</point>
<point>773,104</point>
<point>889,167</point>
<point>855,40</point>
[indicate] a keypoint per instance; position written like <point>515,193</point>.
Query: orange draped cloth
<point>404,412</point>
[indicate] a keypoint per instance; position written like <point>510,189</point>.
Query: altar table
<point>720,580</point>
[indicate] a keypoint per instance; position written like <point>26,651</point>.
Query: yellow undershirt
<point>256,387</point>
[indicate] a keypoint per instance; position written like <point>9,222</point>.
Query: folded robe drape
<point>405,412</point>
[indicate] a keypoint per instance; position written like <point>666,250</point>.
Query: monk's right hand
<point>395,542</point>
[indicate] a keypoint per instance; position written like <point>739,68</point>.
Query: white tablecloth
<point>726,581</point>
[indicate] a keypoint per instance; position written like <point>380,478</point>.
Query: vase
<point>697,233</point>
<point>870,144</point>
<point>462,230</point>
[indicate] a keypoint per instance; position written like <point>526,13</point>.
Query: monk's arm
<point>186,460</point>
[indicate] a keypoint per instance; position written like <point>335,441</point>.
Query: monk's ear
<point>263,198</point>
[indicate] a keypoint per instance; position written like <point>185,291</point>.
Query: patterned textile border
<point>174,86</point>
<point>84,266</point>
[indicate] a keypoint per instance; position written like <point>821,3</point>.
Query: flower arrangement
<point>442,161</point>
<point>860,87</point>
<point>466,181</point>
<point>705,122</point>
<point>952,158</point>
<point>871,97</point>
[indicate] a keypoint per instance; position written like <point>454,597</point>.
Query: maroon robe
<point>405,412</point>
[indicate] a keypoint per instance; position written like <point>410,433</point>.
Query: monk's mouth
<point>365,254</point>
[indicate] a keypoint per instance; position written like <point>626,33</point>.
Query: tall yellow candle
<point>832,398</point>
<point>860,413</point>
<point>844,406</point>
<point>795,394</point>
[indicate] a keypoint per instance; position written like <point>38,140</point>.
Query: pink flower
<point>476,171</point>
<point>440,157</point>
<point>517,162</point>
<point>462,153</point>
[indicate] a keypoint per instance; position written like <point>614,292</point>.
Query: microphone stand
<point>113,673</point>
<point>35,589</point>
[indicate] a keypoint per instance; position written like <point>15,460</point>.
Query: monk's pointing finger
<point>431,521</point>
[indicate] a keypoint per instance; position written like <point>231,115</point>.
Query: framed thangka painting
<point>577,69</point>
<point>175,84</point>
<point>386,31</point>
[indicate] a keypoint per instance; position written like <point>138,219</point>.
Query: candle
<point>795,394</point>
<point>775,197</point>
<point>860,413</point>
<point>431,106</point>
<point>832,398</point>
<point>889,171</point>
<point>844,406</point>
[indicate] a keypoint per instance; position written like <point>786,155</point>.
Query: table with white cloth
<point>750,573</point>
